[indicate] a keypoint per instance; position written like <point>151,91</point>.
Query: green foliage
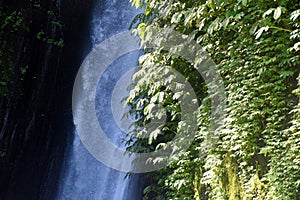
<point>55,24</point>
<point>287,182</point>
<point>11,22</point>
<point>3,153</point>
<point>41,35</point>
<point>256,47</point>
<point>15,26</point>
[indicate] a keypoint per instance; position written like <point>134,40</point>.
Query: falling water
<point>84,177</point>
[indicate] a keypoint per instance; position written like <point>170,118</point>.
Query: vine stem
<point>281,29</point>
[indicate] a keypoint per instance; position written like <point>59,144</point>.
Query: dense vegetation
<point>256,46</point>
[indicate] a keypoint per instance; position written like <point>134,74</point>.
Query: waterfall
<point>83,176</point>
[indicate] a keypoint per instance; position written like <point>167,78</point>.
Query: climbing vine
<point>256,47</point>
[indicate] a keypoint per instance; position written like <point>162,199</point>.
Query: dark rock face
<point>36,118</point>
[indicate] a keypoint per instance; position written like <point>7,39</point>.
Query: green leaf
<point>153,135</point>
<point>136,3</point>
<point>268,12</point>
<point>3,83</point>
<point>277,13</point>
<point>40,35</point>
<point>253,29</point>
<point>177,95</point>
<point>295,15</point>
<point>285,74</point>
<point>226,22</point>
<point>176,18</point>
<point>141,30</point>
<point>260,31</point>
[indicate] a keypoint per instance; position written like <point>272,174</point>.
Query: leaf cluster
<point>256,47</point>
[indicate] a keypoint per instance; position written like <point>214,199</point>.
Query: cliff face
<point>46,42</point>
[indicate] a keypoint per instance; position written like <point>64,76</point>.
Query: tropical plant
<point>255,45</point>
